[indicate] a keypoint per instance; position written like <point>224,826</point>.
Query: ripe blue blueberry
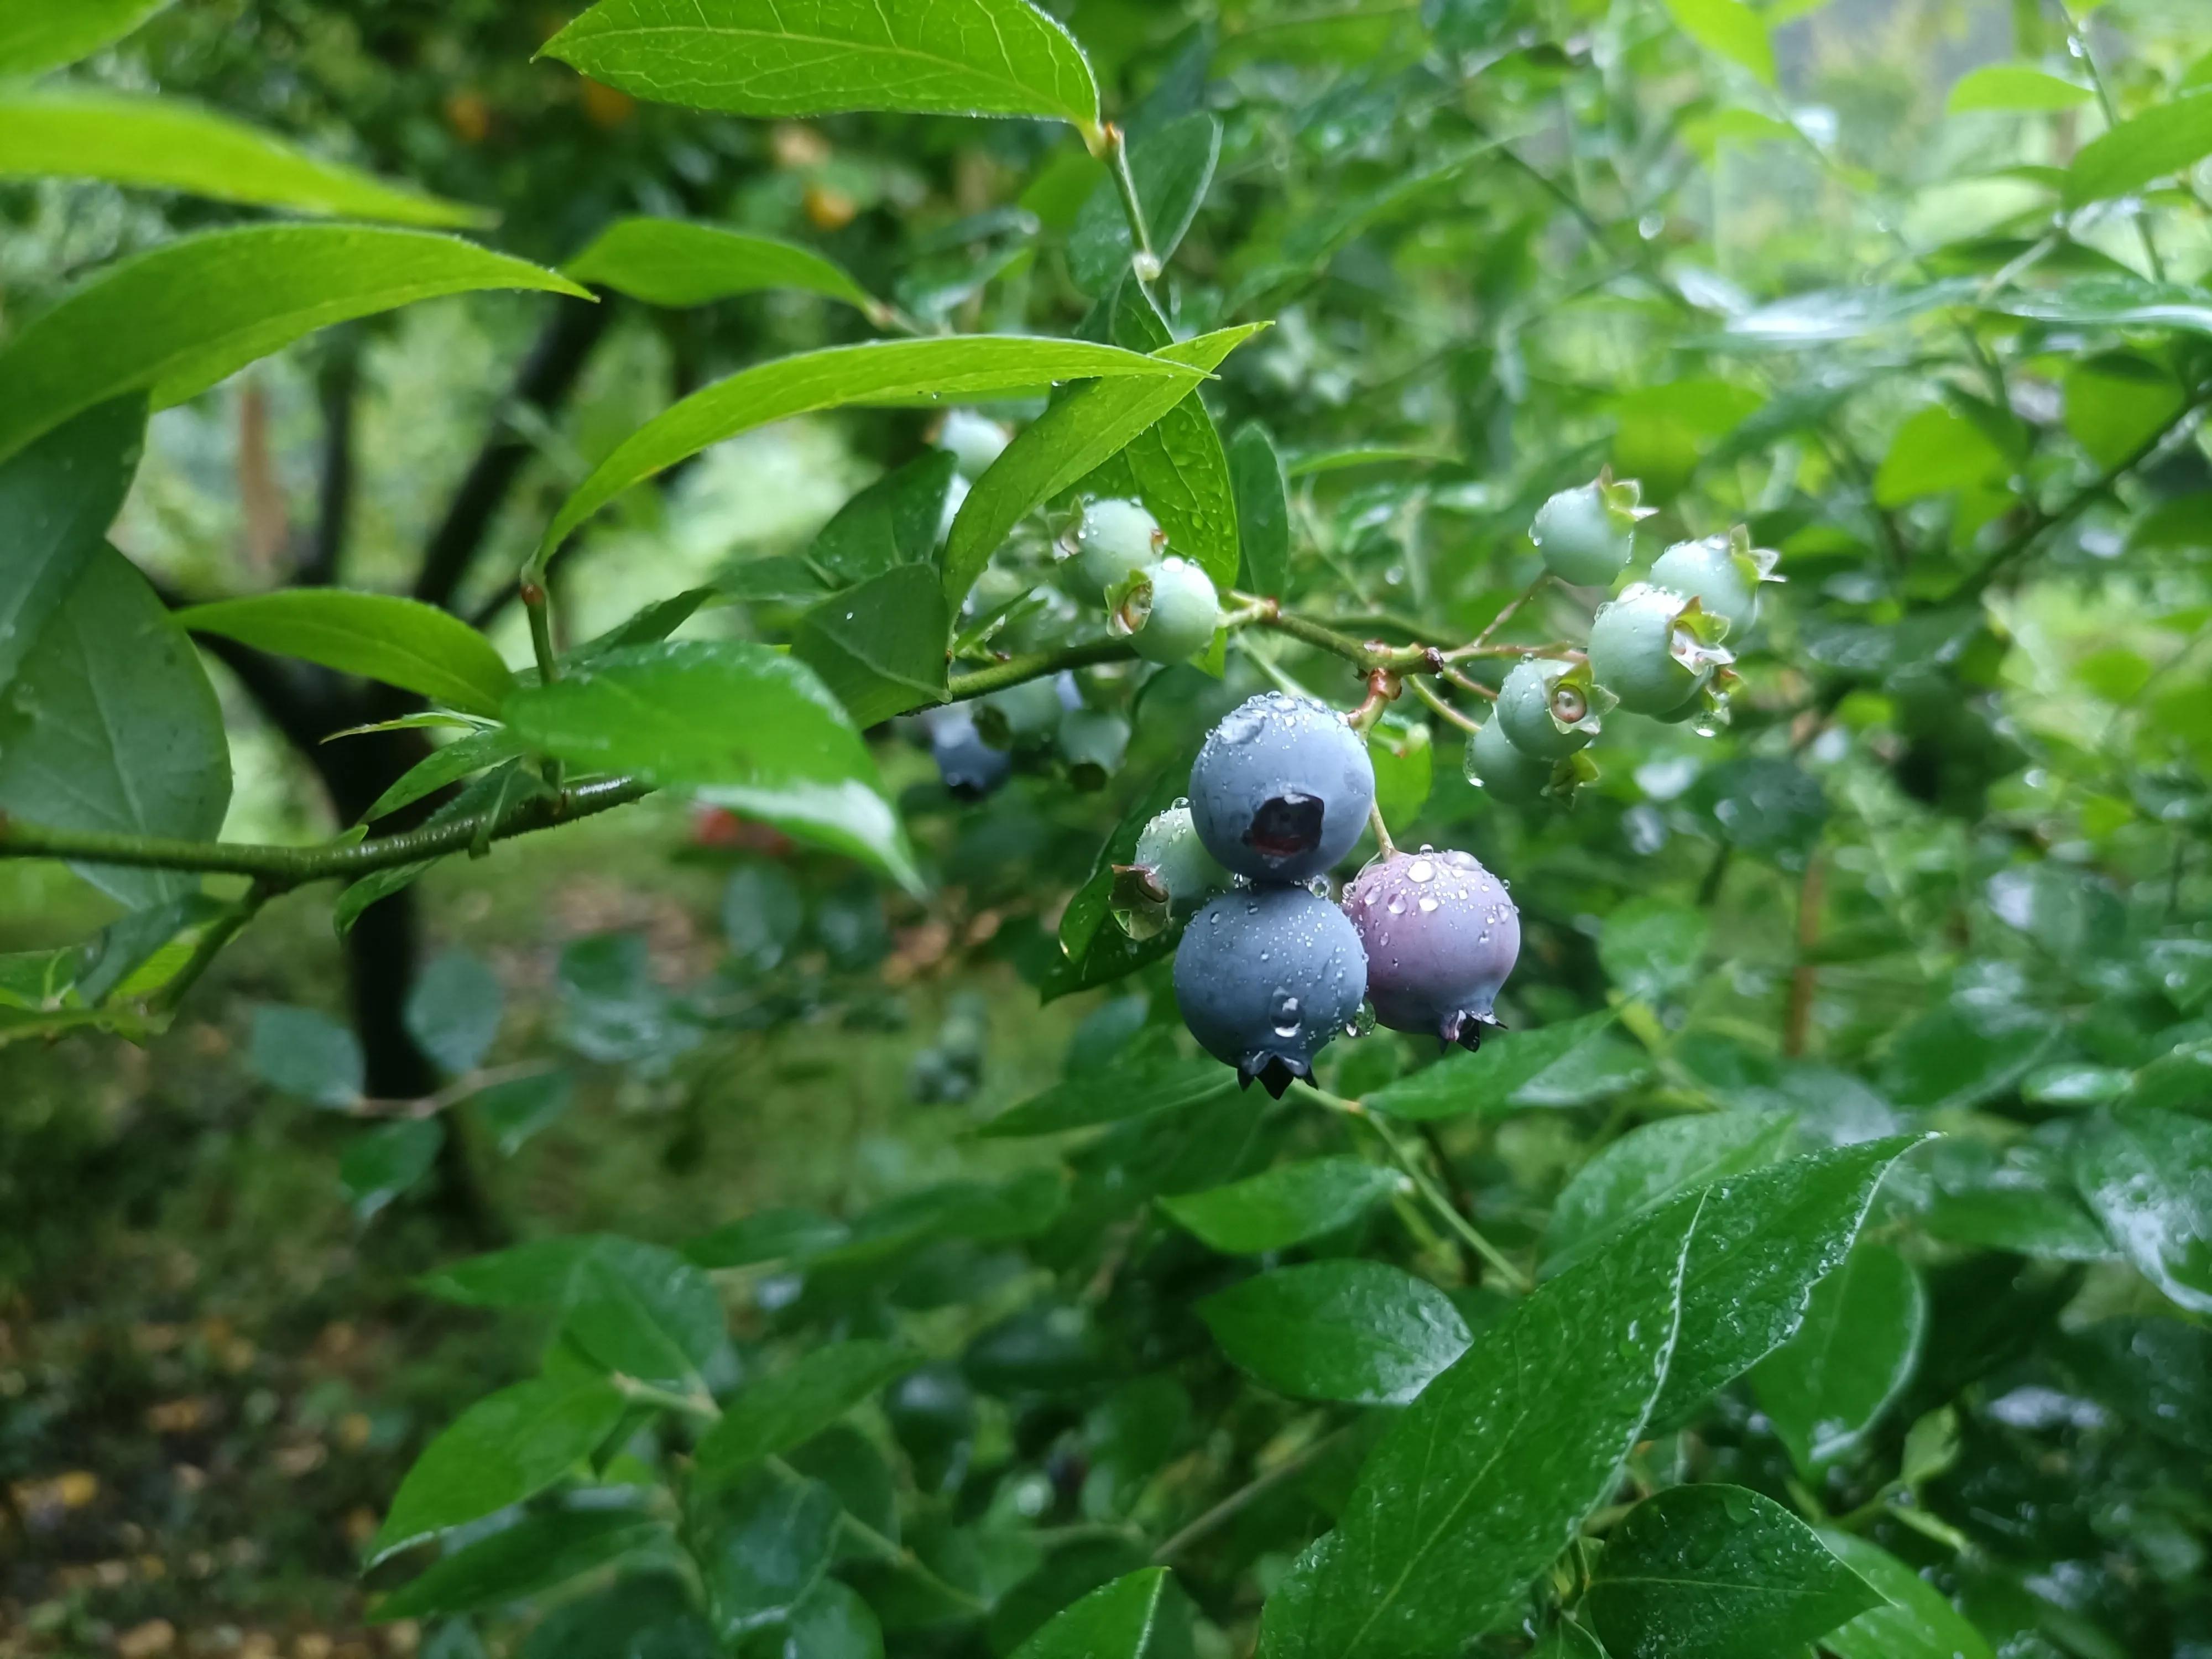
<point>1282,789</point>
<point>1722,573</point>
<point>1653,648</point>
<point>1168,610</point>
<point>1265,977</point>
<point>1441,934</point>
<point>1585,534</point>
<point>971,769</point>
<point>1116,539</point>
<point>1548,710</point>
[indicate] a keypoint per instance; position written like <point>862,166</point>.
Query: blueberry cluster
<point>1164,605</point>
<point>978,746</point>
<point>1269,971</point>
<point>1656,649</point>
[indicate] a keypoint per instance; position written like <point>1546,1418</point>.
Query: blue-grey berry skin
<point>1508,773</point>
<point>1440,935</point>
<point>1265,977</point>
<point>1282,789</point>
<point>971,769</point>
<point>1525,710</point>
<point>1641,652</point>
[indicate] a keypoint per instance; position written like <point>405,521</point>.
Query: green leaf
<point>1114,1095</point>
<point>58,498</point>
<point>161,143</point>
<point>1363,1333</point>
<point>505,786</point>
<point>2148,1175</point>
<point>502,1450</point>
<point>839,375</point>
<point>898,519</point>
<point>1649,1166</point>
<point>1718,1573</point>
<point>1482,1482</point>
<point>446,765</point>
<point>740,725</point>
<point>1263,511</point>
<point>108,721</point>
<point>880,647</point>
<point>676,262</point>
<point>1136,1617</point>
<point>1067,443</point>
<point>1285,1205</point>
<point>1171,165</point>
<point>2111,302</point>
<point>1488,1081</point>
<point>402,642</point>
<point>797,57</point>
<point>1404,759</point>
<point>1850,1359</point>
<point>381,1163</point>
<point>1730,28</point>
<point>37,37</point>
<point>2157,1373</point>
<point>535,1553</point>
<point>453,1011</point>
<point>514,1108</point>
<point>2116,403</point>
<point>1566,1641</point>
<point>788,1407</point>
<point>1651,948</point>
<point>113,982</point>
<point>298,1052</point>
<point>1916,1622</point>
<point>174,320</point>
<point>2166,138</point>
<point>1767,1239</point>
<point>2014,87</point>
<point>1937,450</point>
<point>1177,464</point>
<point>831,1621</point>
<point>762,1543</point>
<point>1094,948</point>
<point>766,1235</point>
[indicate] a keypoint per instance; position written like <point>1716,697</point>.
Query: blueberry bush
<point>1606,597</point>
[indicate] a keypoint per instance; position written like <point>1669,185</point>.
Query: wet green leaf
<point>2166,138</point>
<point>402,642</point>
<point>1489,1081</point>
<point>1285,1206</point>
<point>1649,1166</point>
<point>1916,1622</point>
<point>1364,1333</point>
<point>785,1408</point>
<point>535,1553</point>
<point>2148,1175</point>
<point>1852,1355</point>
<point>1139,1617</point>
<point>675,262</point>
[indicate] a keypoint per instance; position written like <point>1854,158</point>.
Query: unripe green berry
<point>1116,539</point>
<point>1171,849</point>
<point>1549,708</point>
<point>1723,573</point>
<point>1168,611</point>
<point>1508,773</point>
<point>1652,647</point>
<point>975,440</point>
<point>1585,534</point>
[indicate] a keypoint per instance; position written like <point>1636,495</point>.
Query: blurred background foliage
<point>1946,868</point>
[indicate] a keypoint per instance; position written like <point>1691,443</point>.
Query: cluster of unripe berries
<point>1656,649</point>
<point>1164,605</point>
<point>1269,971</point>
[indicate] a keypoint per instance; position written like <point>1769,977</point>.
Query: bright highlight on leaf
<point>675,262</point>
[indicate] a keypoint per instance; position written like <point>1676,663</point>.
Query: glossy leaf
<point>2157,1373</point>
<point>766,1236</point>
<point>162,143</point>
<point>2014,87</point>
<point>108,721</point>
<point>445,766</point>
<point>381,1163</point>
<point>2166,138</point>
<point>1364,1333</point>
<point>502,1450</point>
<point>174,320</point>
<point>1482,1482</point>
<point>1917,1620</point>
<point>1067,443</point>
<point>831,1621</point>
<point>797,57</point>
<point>2148,1175</point>
<point>503,787</point>
<point>36,37</point>
<point>677,262</point>
<point>402,642</point>
<point>1116,1094</point>
<point>1718,1573</point>
<point>1136,1617</point>
<point>1767,1239</point>
<point>1730,28</point>
<point>534,1554</point>
<point>898,519</point>
<point>1488,1081</point>
<point>762,1543</point>
<point>57,497</point>
<point>1285,1206</point>
<point>879,647</point>
<point>1852,1355</point>
<point>737,723</point>
<point>951,369</point>
<point>1263,510</point>
<point>1172,166</point>
<point>787,1408</point>
<point>1650,1165</point>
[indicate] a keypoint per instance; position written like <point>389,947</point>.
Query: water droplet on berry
<point>1421,870</point>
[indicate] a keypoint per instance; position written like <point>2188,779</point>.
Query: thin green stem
<point>1382,832</point>
<point>2077,42</point>
<point>1238,1501</point>
<point>1143,261</point>
<point>1428,694</point>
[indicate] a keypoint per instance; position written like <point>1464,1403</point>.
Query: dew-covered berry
<point>1282,789</point>
<point>1548,710</point>
<point>1116,539</point>
<point>1652,647</point>
<point>971,767</point>
<point>1585,534</point>
<point>1508,773</point>
<point>1168,610</point>
<point>1722,573</point>
<point>975,440</point>
<point>1171,849</point>
<point>1441,934</point>
<point>1265,977</point>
